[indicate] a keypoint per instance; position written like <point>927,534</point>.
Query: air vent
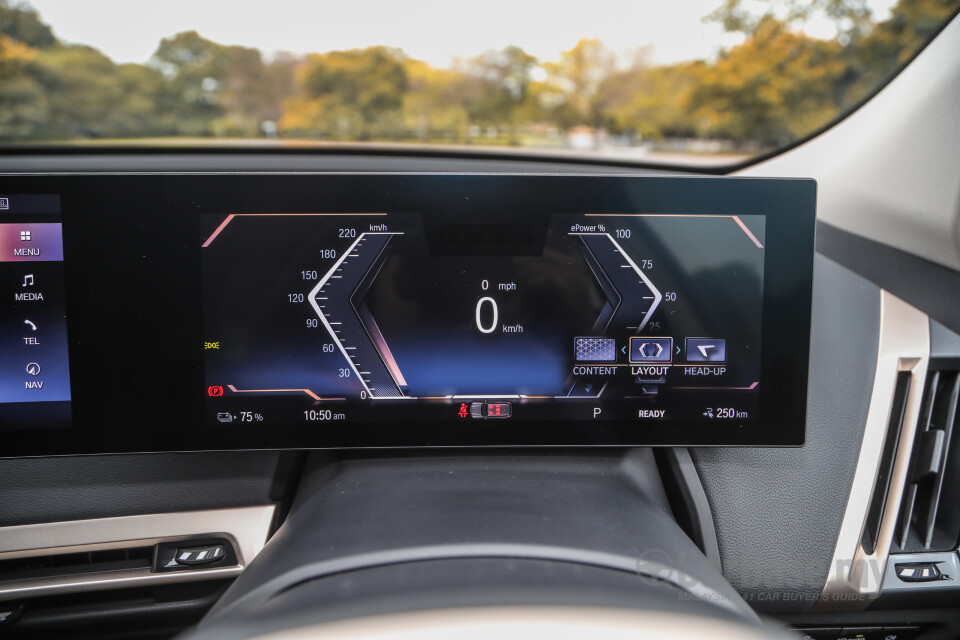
<point>871,529</point>
<point>929,518</point>
<point>68,564</point>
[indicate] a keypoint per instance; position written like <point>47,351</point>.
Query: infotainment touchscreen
<point>34,363</point>
<point>198,312</point>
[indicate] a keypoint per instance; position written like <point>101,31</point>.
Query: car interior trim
<point>123,579</point>
<point>537,621</point>
<point>639,566</point>
<point>855,576</point>
<point>247,529</point>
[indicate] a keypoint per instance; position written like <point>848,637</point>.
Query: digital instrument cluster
<point>198,312</point>
<point>352,317</point>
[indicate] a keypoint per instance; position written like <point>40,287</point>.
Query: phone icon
<point>33,327</point>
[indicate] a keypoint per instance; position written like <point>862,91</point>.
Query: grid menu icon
<point>595,349</point>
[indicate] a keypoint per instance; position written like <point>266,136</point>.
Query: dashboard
<point>144,337</point>
<point>384,310</point>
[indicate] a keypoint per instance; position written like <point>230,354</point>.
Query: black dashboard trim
<point>929,286</point>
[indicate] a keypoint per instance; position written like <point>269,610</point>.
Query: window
<point>694,82</point>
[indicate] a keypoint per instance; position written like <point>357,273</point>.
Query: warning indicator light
<point>498,410</point>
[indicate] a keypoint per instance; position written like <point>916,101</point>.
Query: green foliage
<point>774,88</point>
<point>499,85</point>
<point>577,77</point>
<point>434,103</point>
<point>88,96</point>
<point>23,24</point>
<point>652,102</point>
<point>779,84</point>
<point>348,94</point>
<point>851,18</point>
<point>23,108</point>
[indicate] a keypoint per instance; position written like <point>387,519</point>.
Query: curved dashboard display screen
<point>390,310</point>
<point>356,317</point>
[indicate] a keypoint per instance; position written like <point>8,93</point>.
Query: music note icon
<point>27,280</point>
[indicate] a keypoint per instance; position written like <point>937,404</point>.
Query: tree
<point>23,24</point>
<point>89,96</point>
<point>221,90</point>
<point>194,69</point>
<point>779,84</point>
<point>651,102</point>
<point>354,94</point>
<point>892,42</point>
<point>433,104</point>
<point>776,86</point>
<point>852,18</point>
<point>501,85</point>
<point>577,77</point>
<point>22,101</point>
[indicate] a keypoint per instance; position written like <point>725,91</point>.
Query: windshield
<point>693,82</point>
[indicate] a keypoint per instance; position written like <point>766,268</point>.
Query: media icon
<point>706,350</point>
<point>27,280</point>
<point>595,349</point>
<point>644,349</point>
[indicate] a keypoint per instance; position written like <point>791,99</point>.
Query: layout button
<point>644,349</point>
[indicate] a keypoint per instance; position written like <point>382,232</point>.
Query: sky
<point>437,31</point>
